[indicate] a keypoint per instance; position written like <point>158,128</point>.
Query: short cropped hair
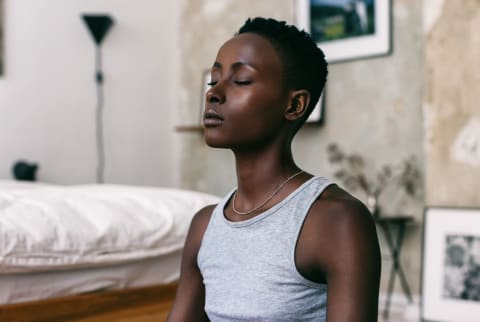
<point>304,63</point>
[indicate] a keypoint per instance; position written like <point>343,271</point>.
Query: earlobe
<point>298,104</point>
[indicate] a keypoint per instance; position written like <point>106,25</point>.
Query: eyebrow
<point>235,65</point>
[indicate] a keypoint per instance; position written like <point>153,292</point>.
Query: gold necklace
<point>267,200</point>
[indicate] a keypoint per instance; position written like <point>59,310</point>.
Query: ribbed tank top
<point>248,267</point>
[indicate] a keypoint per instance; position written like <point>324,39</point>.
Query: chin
<point>219,137</point>
<point>217,144</point>
<point>227,140</point>
<point>215,141</point>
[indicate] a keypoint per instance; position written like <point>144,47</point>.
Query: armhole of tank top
<point>218,207</point>
<point>302,278</point>
<point>205,234</point>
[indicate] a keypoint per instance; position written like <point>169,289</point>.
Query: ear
<point>299,101</point>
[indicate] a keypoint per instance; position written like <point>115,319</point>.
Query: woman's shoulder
<point>338,235</point>
<point>202,218</point>
<point>336,204</point>
<point>337,213</point>
<point>197,228</point>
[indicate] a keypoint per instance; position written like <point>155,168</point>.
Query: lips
<point>212,118</point>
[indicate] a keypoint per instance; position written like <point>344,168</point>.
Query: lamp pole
<point>98,25</point>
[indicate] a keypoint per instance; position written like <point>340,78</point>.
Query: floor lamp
<point>98,25</point>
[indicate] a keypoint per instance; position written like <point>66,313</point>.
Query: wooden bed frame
<point>133,305</point>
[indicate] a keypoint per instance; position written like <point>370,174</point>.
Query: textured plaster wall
<point>373,106</point>
<point>451,103</point>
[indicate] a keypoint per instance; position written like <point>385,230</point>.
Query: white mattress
<point>47,227</point>
<point>17,288</point>
<point>62,240</point>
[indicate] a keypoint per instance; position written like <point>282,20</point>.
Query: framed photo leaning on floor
<point>451,265</point>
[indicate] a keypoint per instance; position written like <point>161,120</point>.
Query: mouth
<point>212,119</point>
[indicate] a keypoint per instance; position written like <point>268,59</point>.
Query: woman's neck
<point>260,174</point>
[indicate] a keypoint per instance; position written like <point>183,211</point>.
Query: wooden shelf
<point>188,128</point>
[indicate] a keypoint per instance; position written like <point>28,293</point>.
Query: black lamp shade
<point>98,26</point>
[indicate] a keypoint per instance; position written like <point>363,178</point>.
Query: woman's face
<point>247,99</point>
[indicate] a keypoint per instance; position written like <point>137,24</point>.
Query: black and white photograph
<point>451,265</point>
<point>462,268</point>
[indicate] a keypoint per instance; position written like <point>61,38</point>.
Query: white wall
<point>47,92</point>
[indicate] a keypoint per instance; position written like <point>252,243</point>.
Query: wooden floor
<point>145,313</point>
<point>141,305</point>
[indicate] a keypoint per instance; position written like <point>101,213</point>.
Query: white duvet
<point>43,227</point>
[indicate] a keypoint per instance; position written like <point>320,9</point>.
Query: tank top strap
<point>311,192</point>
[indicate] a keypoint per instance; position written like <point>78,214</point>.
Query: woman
<point>284,245</point>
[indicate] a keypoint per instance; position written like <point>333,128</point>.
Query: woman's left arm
<point>351,262</point>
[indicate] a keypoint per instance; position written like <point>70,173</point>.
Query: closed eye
<point>211,83</point>
<point>242,83</point>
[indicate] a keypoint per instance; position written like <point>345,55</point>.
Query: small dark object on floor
<point>24,170</point>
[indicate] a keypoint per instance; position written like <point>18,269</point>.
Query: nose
<point>215,94</point>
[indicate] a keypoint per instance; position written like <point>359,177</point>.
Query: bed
<point>62,241</point>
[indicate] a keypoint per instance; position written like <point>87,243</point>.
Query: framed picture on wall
<point>451,265</point>
<point>347,29</point>
<point>317,116</point>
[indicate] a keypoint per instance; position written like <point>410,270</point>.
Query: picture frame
<point>451,265</point>
<point>316,117</point>
<point>318,114</point>
<point>345,29</point>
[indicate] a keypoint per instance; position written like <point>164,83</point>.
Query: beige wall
<point>373,106</point>
<point>451,102</point>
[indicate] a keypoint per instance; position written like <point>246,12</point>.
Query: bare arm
<point>190,298</point>
<point>340,235</point>
<point>353,270</point>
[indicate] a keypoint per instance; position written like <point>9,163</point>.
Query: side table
<point>390,225</point>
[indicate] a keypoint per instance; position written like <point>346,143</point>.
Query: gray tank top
<point>248,267</point>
